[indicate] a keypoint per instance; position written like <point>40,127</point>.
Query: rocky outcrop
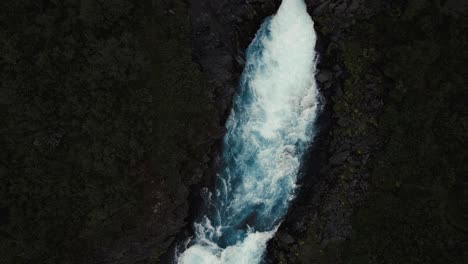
<point>337,180</point>
<point>221,32</point>
<point>346,177</point>
<point>352,79</point>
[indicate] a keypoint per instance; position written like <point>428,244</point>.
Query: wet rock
<point>321,8</point>
<point>354,5</point>
<point>323,76</point>
<point>340,9</point>
<point>285,238</point>
<point>338,71</point>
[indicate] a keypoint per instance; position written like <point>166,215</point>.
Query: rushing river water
<point>269,129</point>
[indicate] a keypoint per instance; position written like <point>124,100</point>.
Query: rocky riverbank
<point>371,73</point>
<point>379,195</point>
<point>219,45</point>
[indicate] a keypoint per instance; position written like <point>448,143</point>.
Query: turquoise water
<point>269,128</point>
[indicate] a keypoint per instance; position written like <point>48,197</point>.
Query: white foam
<point>273,129</point>
<point>249,251</point>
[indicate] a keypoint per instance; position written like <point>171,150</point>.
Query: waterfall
<point>269,128</point>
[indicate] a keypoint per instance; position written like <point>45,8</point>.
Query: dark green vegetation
<point>76,127</point>
<point>104,122</point>
<point>186,124</point>
<point>415,209</point>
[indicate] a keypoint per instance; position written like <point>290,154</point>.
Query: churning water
<point>269,129</point>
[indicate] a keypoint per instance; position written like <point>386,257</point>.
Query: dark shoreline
<point>315,162</point>
<point>225,77</point>
<point>309,175</point>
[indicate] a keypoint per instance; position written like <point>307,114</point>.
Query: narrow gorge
<point>234,131</point>
<point>270,127</point>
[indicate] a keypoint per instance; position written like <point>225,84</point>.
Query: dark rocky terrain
<point>113,113</point>
<point>390,185</point>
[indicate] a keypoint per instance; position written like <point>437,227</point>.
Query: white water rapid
<point>269,129</point>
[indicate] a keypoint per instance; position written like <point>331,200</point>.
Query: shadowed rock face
<point>221,31</point>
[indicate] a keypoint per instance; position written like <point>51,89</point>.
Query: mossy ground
<point>415,211</point>
<point>104,119</point>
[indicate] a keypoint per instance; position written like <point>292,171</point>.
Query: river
<point>270,127</point>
